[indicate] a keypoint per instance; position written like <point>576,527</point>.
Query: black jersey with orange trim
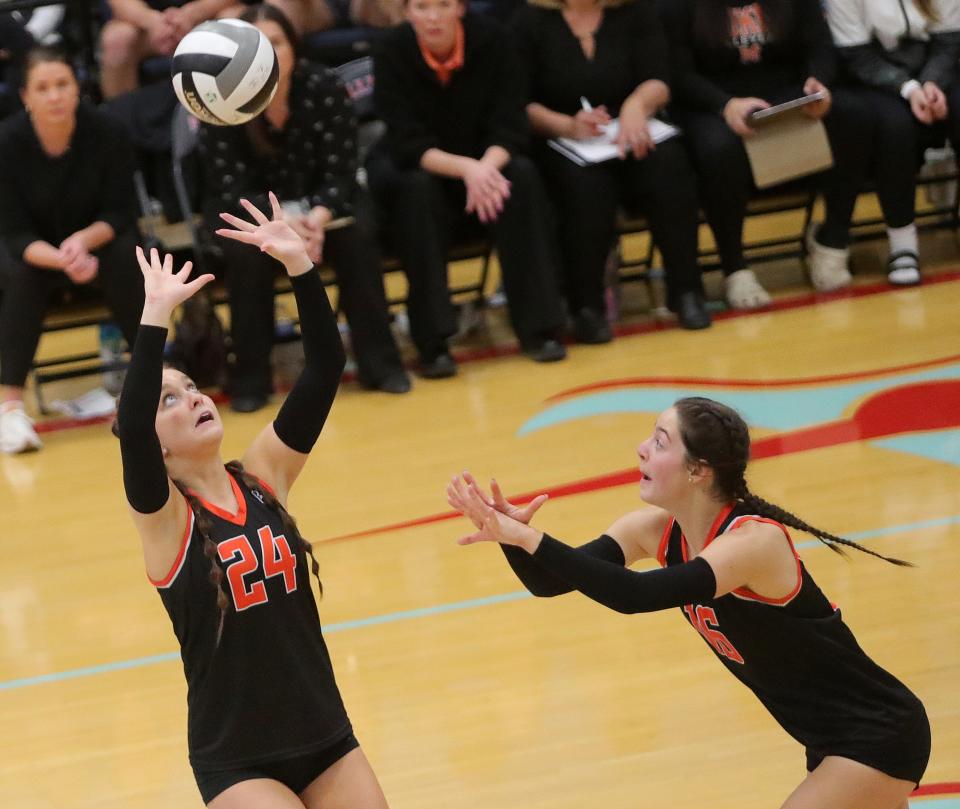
<point>804,664</point>
<point>267,691</point>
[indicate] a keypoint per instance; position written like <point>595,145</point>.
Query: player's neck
<point>696,518</point>
<point>209,480</point>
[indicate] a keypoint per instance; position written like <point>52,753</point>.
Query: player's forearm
<point>144,472</point>
<point>625,590</point>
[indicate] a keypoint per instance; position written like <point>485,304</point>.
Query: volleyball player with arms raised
<point>266,725</point>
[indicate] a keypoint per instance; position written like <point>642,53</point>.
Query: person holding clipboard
<point>592,65</point>
<point>734,58</point>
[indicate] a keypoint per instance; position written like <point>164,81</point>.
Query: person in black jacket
<point>67,213</point>
<point>611,56</point>
<point>266,725</point>
<point>304,145</point>
<point>732,57</point>
<point>901,58</point>
<point>449,87</point>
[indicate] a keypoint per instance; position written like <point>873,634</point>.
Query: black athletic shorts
<point>906,757</point>
<point>295,773</point>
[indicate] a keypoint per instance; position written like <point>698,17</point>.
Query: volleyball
<point>225,72</point>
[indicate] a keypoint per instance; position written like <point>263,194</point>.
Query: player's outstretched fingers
<point>258,216</point>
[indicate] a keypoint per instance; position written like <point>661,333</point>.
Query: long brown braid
<point>204,526</point>
<point>716,435</point>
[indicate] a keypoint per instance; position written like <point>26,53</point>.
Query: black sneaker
<point>544,349</point>
<point>394,382</point>
<point>692,311</point>
<point>591,327</point>
<point>440,367</point>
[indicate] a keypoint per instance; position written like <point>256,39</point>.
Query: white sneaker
<point>17,433</point>
<point>828,266</point>
<point>743,291</point>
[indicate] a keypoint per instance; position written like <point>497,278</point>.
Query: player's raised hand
<point>491,524</point>
<point>273,236</point>
<point>164,290</point>
<point>496,499</point>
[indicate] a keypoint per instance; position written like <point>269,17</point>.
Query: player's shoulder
<point>641,529</point>
<point>756,528</point>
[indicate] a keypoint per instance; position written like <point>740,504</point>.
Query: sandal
<point>903,268</point>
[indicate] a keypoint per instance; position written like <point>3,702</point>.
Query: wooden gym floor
<point>465,692</point>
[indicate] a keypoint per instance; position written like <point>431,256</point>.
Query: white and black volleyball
<point>225,72</point>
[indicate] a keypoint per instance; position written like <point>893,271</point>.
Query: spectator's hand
<point>920,106</point>
<point>275,237</point>
<point>738,110</point>
<point>182,20</point>
<point>73,248</point>
<point>82,269</point>
<point>487,190</point>
<point>818,109</point>
<point>586,123</point>
<point>634,136</point>
<point>162,35</point>
<point>936,100</point>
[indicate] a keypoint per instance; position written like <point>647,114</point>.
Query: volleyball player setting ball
<point>225,72</point>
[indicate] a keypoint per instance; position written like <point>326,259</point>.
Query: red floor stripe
<point>476,355</point>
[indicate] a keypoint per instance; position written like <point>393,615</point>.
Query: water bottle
<point>111,352</point>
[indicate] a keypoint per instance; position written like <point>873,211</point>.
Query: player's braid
<point>204,525</point>
<point>717,436</point>
<point>289,523</point>
<point>765,509</point>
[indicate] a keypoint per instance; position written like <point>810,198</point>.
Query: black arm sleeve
<point>541,582</point>
<point>304,412</point>
<point>144,473</point>
<point>625,590</point>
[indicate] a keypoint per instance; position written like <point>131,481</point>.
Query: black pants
<point>353,253</point>
<point>26,289</point>
<point>662,186</point>
<point>424,214</point>
<point>726,181</point>
<point>900,140</point>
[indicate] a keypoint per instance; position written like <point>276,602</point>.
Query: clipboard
<point>778,109</point>
<point>787,146</point>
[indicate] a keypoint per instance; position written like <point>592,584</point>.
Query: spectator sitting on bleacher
<point>138,29</point>
<point>303,147</point>
<point>450,89</point>
<point>901,55</point>
<point>610,55</point>
<point>67,211</point>
<point>732,57</point>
